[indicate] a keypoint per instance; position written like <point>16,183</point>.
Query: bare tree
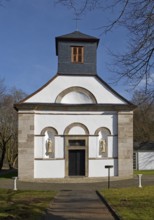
<point>137,64</point>
<point>2,88</point>
<point>2,2</point>
<point>143,116</point>
<point>8,126</point>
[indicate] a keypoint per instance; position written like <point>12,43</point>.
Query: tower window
<point>77,54</point>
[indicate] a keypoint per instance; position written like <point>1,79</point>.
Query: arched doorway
<point>76,150</point>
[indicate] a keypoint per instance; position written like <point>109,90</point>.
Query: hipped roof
<point>75,36</point>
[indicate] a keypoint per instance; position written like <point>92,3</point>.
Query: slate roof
<point>75,36</point>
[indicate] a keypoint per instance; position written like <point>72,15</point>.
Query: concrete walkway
<point>77,204</point>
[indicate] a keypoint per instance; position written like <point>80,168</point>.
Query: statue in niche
<point>102,146</point>
<point>49,146</point>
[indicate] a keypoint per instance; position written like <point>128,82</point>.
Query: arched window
<point>49,134</point>
<point>103,134</point>
<point>76,95</point>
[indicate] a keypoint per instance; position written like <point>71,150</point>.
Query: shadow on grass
<point>23,205</point>
<point>8,173</point>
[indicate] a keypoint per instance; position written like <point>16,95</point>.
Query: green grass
<point>24,204</point>
<point>132,203</point>
<point>145,172</point>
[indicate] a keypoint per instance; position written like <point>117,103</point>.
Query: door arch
<point>76,150</point>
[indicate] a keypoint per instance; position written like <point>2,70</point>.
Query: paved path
<point>76,205</point>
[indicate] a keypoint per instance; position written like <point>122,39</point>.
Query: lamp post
<point>108,167</point>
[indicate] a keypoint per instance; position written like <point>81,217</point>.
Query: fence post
<point>139,179</point>
<point>15,183</point>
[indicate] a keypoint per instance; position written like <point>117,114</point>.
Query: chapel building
<point>76,124</point>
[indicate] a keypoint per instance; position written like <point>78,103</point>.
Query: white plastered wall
<point>60,122</point>
<point>49,169</point>
<point>112,149</point>
<point>92,122</point>
<point>50,92</point>
<point>112,146</point>
<point>97,167</point>
<point>59,147</point>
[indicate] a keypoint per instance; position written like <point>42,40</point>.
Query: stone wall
<point>25,146</point>
<point>125,144</point>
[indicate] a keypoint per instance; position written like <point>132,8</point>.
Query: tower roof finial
<point>77,19</point>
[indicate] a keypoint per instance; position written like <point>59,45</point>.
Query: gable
<point>93,85</point>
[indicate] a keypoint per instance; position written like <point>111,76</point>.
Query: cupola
<point>76,54</point>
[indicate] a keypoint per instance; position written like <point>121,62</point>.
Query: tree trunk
<point>14,162</point>
<point>2,156</point>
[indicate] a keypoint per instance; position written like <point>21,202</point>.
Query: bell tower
<point>76,54</point>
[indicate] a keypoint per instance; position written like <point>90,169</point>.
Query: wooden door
<point>76,162</point>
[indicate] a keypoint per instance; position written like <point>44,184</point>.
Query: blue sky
<point>27,42</point>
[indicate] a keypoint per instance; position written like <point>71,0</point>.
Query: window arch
<point>49,136</point>
<point>76,129</point>
<point>103,134</point>
<point>76,95</point>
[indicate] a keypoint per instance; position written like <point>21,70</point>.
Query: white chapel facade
<point>75,124</point>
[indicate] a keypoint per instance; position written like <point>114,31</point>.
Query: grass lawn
<point>25,205</point>
<point>145,172</point>
<point>132,203</point>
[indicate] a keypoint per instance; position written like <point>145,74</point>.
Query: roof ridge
<point>77,34</point>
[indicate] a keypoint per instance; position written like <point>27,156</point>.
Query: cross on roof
<point>77,19</point>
